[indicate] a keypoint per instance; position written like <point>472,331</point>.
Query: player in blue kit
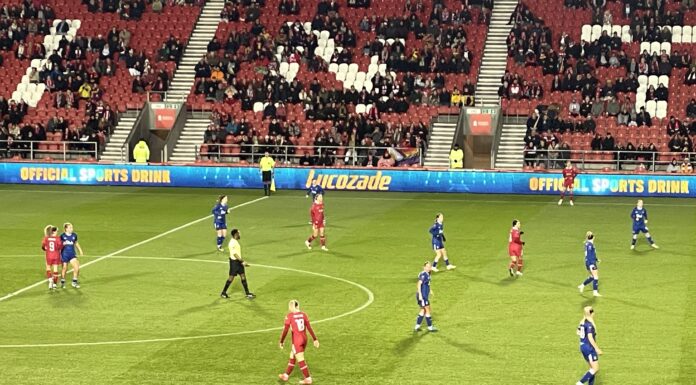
<point>423,293</point>
<point>591,262</point>
<point>588,345</point>
<point>220,212</point>
<point>438,242</point>
<point>640,224</point>
<point>69,256</point>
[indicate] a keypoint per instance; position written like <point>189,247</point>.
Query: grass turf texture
<point>494,329</point>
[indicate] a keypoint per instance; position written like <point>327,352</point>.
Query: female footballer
<point>588,345</point>
<point>220,212</point>
<point>69,256</point>
<point>52,245</point>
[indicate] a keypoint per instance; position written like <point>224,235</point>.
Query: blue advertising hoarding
<point>466,181</point>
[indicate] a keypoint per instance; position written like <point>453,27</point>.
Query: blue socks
<point>633,241</point>
<point>447,262</point>
<point>588,377</point>
<point>587,281</point>
<point>220,240</point>
<point>429,320</point>
<point>419,320</point>
<point>595,284</point>
<point>434,263</point>
<point>650,240</point>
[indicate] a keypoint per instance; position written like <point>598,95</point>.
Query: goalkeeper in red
<point>569,174</point>
<point>299,323</point>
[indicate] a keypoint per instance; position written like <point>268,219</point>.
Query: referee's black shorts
<point>236,267</point>
<point>266,176</point>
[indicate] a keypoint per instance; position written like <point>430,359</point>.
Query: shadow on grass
<point>465,347</point>
<point>407,344</point>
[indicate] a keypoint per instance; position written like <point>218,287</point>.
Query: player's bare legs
<point>315,234</point>
<point>62,275</point>
<point>288,371</point>
<point>424,313</point>
<point>322,239</point>
<point>221,234</point>
<point>512,266</point>
<point>520,263</point>
<point>442,253</point>
<point>76,272</point>
<point>49,276</point>
<point>594,280</point>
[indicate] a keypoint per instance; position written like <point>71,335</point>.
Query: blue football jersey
<point>219,213</point>
<point>315,190</point>
<point>69,241</point>
<point>639,216</point>
<point>437,231</point>
<point>424,277</point>
<point>590,253</point>
<point>586,329</point>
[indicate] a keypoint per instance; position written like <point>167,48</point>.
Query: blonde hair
<point>66,224</point>
<point>293,305</point>
<point>49,229</point>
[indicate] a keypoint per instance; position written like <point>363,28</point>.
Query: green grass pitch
<point>493,329</point>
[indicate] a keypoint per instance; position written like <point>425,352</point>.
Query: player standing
<point>237,265</point>
<point>314,190</point>
<point>640,222</point>
<point>317,214</point>
<point>591,262</point>
<point>438,241</point>
<point>52,245</point>
<point>220,212</point>
<point>423,293</point>
<point>515,249</point>
<point>569,174</point>
<point>588,345</point>
<point>68,255</point>
<point>299,323</point>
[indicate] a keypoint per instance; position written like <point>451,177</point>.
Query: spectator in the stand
<point>686,167</point>
<point>675,126</point>
<point>643,118</point>
<point>691,109</point>
<point>608,142</point>
<point>661,93</point>
<point>624,117</point>
<point>596,143</point>
<point>589,125</point>
<point>673,166</point>
<point>598,108</point>
<point>530,154</point>
<point>613,107</point>
<point>306,160</point>
<point>675,143</point>
<point>386,161</point>
<point>574,108</point>
<point>586,107</point>
<point>690,78</point>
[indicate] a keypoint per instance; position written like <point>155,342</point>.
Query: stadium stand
<point>582,70</point>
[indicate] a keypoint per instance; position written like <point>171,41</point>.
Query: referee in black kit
<point>237,265</point>
<point>266,165</point>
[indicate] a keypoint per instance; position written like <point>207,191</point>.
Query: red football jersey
<point>52,246</point>
<point>317,212</point>
<point>515,237</point>
<point>299,324</point>
<point>569,174</point>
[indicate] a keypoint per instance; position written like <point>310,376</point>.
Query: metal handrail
<point>28,149</point>
<point>580,158</point>
<point>356,154</point>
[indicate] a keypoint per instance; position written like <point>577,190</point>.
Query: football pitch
<point>149,310</point>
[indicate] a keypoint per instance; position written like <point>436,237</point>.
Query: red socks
<point>511,265</point>
<point>304,369</point>
<point>311,238</point>
<point>291,366</point>
<point>48,274</point>
<point>519,265</point>
<point>55,277</point>
<point>323,241</point>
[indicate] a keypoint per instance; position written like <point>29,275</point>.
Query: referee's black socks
<point>266,190</point>
<point>246,287</point>
<point>227,286</point>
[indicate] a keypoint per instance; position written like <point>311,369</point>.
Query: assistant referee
<point>237,265</point>
<point>266,165</point>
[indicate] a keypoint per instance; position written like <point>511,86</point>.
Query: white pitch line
<point>370,300</point>
<point>22,290</point>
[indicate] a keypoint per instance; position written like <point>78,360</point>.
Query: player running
<point>52,245</point>
<point>237,265</point>
<point>569,174</point>
<point>220,212</point>
<point>515,249</point>
<point>588,345</point>
<point>299,323</point>
<point>640,222</point>
<point>314,190</point>
<point>591,262</point>
<point>423,293</point>
<point>438,242</point>
<point>68,255</point>
<point>317,214</point>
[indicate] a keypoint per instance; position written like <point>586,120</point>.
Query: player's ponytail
<point>221,197</point>
<point>47,230</point>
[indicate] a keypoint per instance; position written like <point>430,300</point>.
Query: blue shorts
<point>67,258</point>
<point>220,226</point>
<point>588,353</point>
<point>438,245</point>
<point>423,303</point>
<point>591,266</point>
<point>640,229</point>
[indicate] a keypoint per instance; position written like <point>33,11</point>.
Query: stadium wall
<point>464,181</point>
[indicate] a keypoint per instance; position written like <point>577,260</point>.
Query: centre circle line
<point>370,300</point>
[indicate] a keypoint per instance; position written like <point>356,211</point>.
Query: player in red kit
<point>317,213</point>
<point>299,323</point>
<point>515,249</point>
<point>52,245</point>
<point>569,174</point>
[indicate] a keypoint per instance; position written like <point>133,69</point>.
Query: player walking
<point>515,249</point>
<point>68,255</point>
<point>588,345</point>
<point>52,245</point>
<point>237,265</point>
<point>569,174</point>
<point>591,262</point>
<point>299,323</point>
<point>423,293</point>
<point>438,241</point>
<point>640,224</point>
<point>220,212</point>
<point>317,214</point>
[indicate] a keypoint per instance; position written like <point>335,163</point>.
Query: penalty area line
<point>123,250</point>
